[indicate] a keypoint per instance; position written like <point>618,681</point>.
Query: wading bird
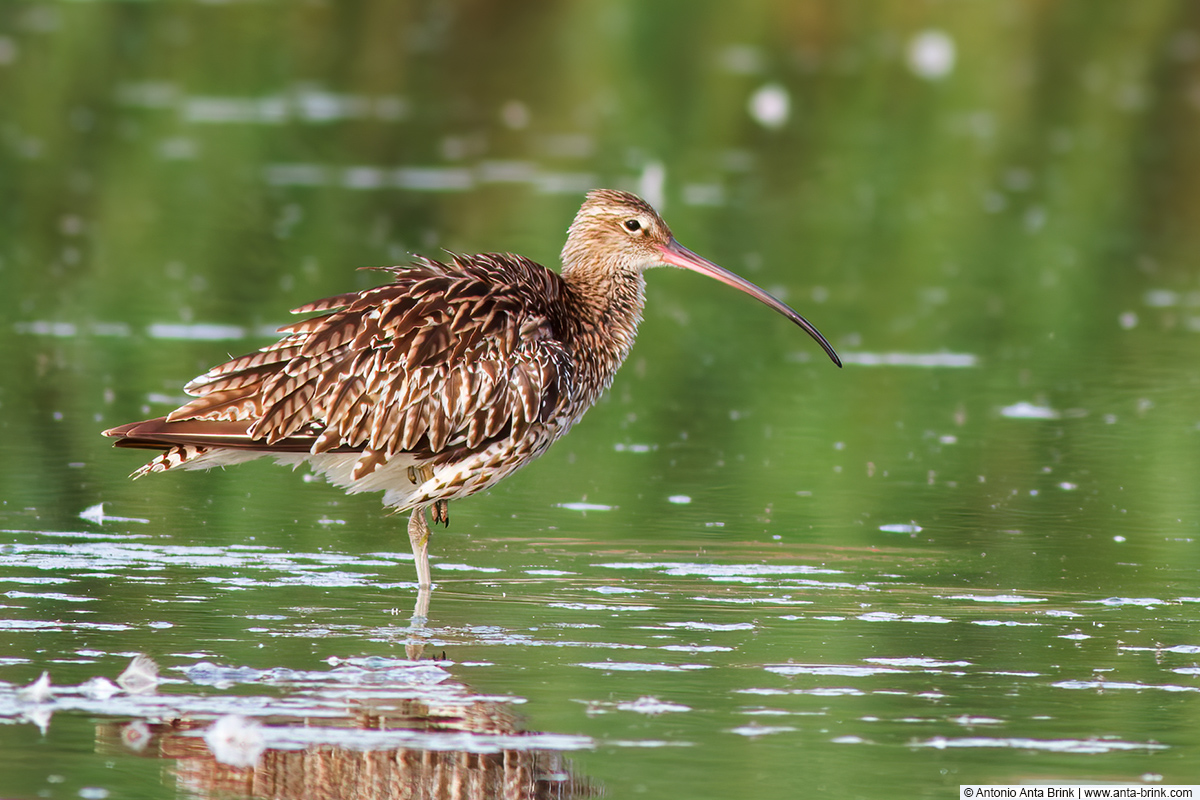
<point>444,381</point>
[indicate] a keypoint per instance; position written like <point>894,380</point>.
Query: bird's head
<point>619,234</point>
<point>616,232</point>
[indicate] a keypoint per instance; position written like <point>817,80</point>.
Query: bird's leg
<point>414,646</point>
<point>418,525</point>
<point>420,614</point>
<point>418,535</point>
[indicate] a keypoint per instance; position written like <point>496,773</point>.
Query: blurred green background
<point>990,208</point>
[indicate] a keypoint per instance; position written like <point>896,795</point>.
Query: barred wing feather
<point>444,360</point>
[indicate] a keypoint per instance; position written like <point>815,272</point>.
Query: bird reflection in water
<point>405,730</point>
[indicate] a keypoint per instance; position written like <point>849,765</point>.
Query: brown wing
<point>447,358</point>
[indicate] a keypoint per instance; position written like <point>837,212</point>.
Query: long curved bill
<point>677,255</point>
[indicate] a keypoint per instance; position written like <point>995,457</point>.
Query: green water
<point>970,556</point>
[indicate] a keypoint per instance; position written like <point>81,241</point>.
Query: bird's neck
<point>607,306</point>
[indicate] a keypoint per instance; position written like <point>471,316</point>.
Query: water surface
<point>970,556</point>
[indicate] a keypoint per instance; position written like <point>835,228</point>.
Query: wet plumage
<point>445,380</point>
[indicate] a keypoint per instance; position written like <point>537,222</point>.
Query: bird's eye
<point>632,225</point>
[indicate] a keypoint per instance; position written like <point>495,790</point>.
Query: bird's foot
<point>419,473</point>
<point>439,509</point>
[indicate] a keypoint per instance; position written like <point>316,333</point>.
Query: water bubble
<point>931,55</point>
<point>770,106</point>
<point>235,740</point>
